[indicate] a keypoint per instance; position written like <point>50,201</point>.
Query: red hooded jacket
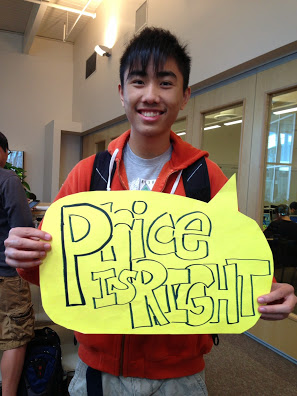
<point>146,356</point>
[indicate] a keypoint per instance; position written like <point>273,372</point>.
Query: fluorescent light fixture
<point>292,110</point>
<point>181,133</point>
<point>212,127</point>
<point>233,122</point>
<point>102,50</point>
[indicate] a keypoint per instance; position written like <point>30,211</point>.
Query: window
<point>281,163</point>
<point>222,129</point>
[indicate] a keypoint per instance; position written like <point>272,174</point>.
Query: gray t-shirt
<point>14,212</point>
<point>142,173</point>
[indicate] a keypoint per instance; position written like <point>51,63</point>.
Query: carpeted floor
<point>241,366</point>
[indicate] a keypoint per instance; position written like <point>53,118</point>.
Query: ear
<point>121,93</point>
<point>187,95</point>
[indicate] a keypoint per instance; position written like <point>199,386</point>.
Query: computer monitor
<point>266,220</point>
<point>268,211</point>
<point>33,203</point>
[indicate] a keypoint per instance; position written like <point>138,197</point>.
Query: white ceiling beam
<point>77,19</point>
<point>69,9</point>
<point>33,25</point>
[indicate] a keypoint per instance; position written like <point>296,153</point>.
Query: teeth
<point>150,113</point>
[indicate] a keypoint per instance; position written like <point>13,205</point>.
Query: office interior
<point>242,109</point>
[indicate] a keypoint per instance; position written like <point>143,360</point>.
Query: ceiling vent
<point>225,115</point>
<point>141,17</point>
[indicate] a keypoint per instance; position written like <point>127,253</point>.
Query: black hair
<point>283,210</point>
<point>159,45</point>
<point>3,142</point>
<point>293,205</point>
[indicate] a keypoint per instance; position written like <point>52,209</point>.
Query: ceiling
<point>32,19</point>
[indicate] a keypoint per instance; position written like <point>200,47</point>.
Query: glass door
<point>281,184</point>
<point>272,177</point>
<point>222,128</point>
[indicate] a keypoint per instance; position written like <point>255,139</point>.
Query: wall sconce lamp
<point>103,51</point>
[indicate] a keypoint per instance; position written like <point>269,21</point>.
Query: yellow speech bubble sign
<point>135,262</point>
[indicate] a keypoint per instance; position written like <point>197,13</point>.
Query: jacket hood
<point>183,154</point>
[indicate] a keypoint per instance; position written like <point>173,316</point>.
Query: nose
<point>151,93</point>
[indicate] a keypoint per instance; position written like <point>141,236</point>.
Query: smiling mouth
<point>150,113</point>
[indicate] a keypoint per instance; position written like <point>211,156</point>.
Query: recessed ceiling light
<point>292,110</point>
<point>212,127</point>
<point>233,122</point>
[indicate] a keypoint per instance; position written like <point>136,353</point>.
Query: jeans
<point>192,385</point>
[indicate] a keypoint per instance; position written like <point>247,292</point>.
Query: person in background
<point>282,226</point>
<point>16,313</point>
<point>293,208</point>
<point>154,78</point>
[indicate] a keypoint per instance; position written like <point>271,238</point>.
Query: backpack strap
<point>196,181</point>
<point>195,177</point>
<point>197,186</point>
<point>100,171</point>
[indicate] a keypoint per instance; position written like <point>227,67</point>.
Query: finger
<point>274,316</point>
<point>29,232</point>
<point>23,264</point>
<point>274,309</point>
<point>16,243</point>
<point>25,259</point>
<point>24,255</point>
<point>279,291</point>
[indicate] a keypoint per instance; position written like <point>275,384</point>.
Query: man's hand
<point>280,302</point>
<point>26,247</point>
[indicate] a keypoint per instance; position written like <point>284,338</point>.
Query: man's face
<point>152,99</point>
<point>3,157</point>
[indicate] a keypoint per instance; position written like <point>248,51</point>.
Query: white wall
<point>224,34</point>
<point>70,154</point>
<point>221,35</point>
<point>34,89</point>
<point>96,99</point>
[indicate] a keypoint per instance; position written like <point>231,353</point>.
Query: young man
<point>16,314</point>
<point>293,208</point>
<point>282,225</point>
<point>154,75</point>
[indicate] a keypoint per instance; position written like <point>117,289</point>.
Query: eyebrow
<point>142,73</point>
<point>133,73</point>
<point>166,73</point>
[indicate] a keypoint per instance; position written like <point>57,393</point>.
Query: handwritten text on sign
<point>144,262</point>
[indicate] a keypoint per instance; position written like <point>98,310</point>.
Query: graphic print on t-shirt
<point>142,184</point>
<point>147,169</point>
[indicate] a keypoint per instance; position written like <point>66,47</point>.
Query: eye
<point>137,82</point>
<point>166,84</point>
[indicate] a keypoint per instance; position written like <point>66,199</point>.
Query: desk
<point>38,212</point>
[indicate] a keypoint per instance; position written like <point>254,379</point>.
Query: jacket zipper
<point>123,335</point>
<point>125,187</point>
<point>166,180</point>
<point>121,180</point>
